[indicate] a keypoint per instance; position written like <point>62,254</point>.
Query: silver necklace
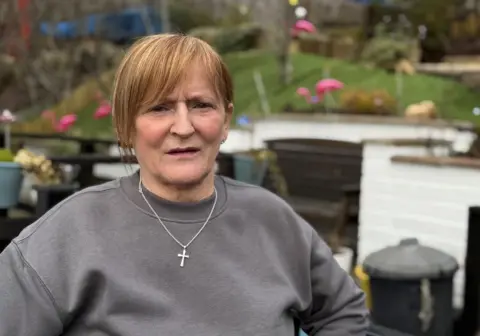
<point>184,254</point>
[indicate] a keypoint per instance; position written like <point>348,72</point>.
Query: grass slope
<point>454,100</point>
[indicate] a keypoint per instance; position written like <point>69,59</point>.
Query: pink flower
<point>327,85</point>
<point>103,110</point>
<point>64,124</point>
<point>7,117</point>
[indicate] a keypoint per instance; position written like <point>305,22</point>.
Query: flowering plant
<point>7,118</point>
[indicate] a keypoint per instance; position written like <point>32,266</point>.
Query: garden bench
<point>323,180</point>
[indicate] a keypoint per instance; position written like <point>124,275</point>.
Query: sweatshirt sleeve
<point>26,305</point>
<point>338,305</point>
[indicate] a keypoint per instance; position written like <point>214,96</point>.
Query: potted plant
<point>252,166</point>
<point>11,176</point>
<point>48,183</point>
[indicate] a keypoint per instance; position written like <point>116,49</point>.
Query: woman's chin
<point>185,176</point>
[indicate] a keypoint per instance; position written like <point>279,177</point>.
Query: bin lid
<point>409,260</point>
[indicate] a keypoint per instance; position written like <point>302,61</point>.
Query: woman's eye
<point>200,105</point>
<point>160,108</point>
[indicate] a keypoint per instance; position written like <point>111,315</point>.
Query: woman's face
<point>177,140</point>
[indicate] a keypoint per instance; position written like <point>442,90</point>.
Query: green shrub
<point>234,16</point>
<point>225,40</point>
<point>379,102</point>
<point>384,52</point>
<point>240,38</point>
<point>185,18</point>
<point>208,34</point>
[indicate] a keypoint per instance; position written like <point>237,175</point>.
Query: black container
<point>412,288</point>
<point>225,165</point>
<point>50,195</point>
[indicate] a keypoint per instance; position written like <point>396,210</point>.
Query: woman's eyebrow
<point>194,97</point>
<point>200,96</point>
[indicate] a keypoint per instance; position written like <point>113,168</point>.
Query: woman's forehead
<point>195,84</point>
<point>194,88</point>
<point>198,80</point>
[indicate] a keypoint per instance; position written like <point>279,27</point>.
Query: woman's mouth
<point>183,152</point>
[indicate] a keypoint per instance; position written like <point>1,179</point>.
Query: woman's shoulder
<point>82,206</point>
<point>262,208</point>
<point>261,202</point>
<point>244,193</point>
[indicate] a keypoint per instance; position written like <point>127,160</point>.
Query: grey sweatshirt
<point>100,263</point>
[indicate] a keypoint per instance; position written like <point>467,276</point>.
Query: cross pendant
<point>183,256</point>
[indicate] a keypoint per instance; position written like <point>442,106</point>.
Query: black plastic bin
<point>412,288</point>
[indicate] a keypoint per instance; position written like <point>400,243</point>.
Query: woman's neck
<point>175,193</point>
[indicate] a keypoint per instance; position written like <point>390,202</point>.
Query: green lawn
<point>453,100</point>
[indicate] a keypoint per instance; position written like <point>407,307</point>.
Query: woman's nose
<point>182,125</point>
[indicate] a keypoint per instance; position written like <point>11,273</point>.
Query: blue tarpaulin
<point>124,25</point>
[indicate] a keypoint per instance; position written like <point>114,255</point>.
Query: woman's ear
<point>228,119</point>
<point>228,114</point>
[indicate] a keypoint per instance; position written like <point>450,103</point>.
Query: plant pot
<point>11,177</point>
<point>344,257</point>
<point>248,169</point>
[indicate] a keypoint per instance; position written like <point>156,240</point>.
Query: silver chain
<point>184,246</point>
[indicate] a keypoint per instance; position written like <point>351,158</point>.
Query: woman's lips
<point>186,152</point>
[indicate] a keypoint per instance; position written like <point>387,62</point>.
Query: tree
<point>280,36</point>
<point>47,69</point>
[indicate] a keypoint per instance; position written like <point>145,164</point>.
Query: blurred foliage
<point>386,48</point>
<point>81,101</point>
<point>207,33</point>
<point>240,38</point>
<point>377,102</point>
<point>437,16</point>
<point>455,100</point>
<point>385,52</point>
<point>243,37</point>
<point>235,15</point>
<point>184,18</point>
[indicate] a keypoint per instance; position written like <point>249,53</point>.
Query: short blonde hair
<point>150,71</point>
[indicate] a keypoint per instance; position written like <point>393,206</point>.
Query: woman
<point>174,249</point>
